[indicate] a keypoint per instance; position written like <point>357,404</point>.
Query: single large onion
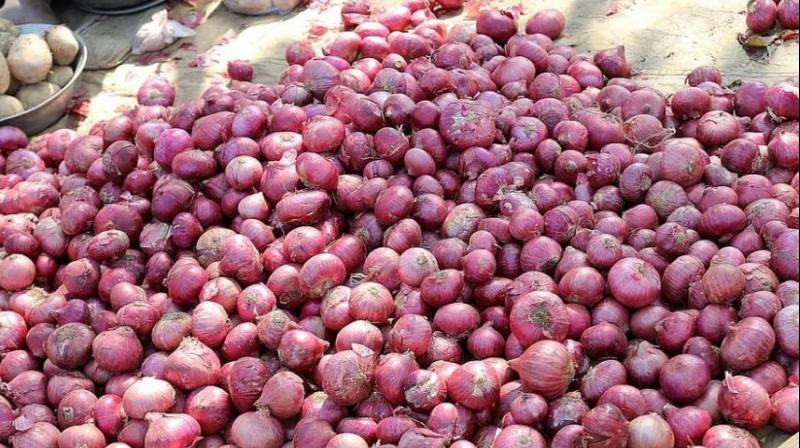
<point>546,368</point>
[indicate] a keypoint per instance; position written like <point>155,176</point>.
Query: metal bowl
<point>40,117</point>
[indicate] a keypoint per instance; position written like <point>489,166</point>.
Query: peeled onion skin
<point>423,234</point>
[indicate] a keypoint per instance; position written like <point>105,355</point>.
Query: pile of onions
<point>764,15</point>
<point>422,236</point>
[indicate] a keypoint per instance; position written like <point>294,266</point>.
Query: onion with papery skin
<point>539,315</point>
<point>650,431</point>
<point>148,395</point>
<point>744,403</point>
<point>545,368</point>
<point>605,425</point>
<point>684,378</point>
<point>720,436</point>
<point>784,403</point>
<point>688,424</point>
<point>747,344</point>
<point>633,282</point>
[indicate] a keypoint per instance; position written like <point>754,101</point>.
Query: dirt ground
<point>663,39</point>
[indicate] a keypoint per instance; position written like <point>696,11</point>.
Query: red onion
<point>744,403</point>
<point>69,346</point>
<point>747,344</point>
<point>38,434</point>
<point>644,363</point>
<point>474,385</point>
<point>539,315</point>
<point>192,365</point>
<point>605,424</point>
<point>148,395</point>
<point>674,330</point>
<point>411,333</point>
<point>784,402</point>
<point>109,415</point>
<point>371,302</point>
<point>566,410</point>
<point>786,329</point>
<point>125,346</point>
<point>684,378</point>
<point>545,368</point>
<point>724,435</point>
<point>172,430</point>
<point>604,339</point>
<point>464,124</point>
<point>549,22</point>
<point>634,283</point>
<point>211,407</point>
<point>770,375</point>
<point>650,431</point>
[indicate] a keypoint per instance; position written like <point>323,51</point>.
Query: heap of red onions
<point>421,236</point>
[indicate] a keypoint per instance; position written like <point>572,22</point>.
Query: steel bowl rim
<point>79,67</point>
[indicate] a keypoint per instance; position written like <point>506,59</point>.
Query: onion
<point>650,431</point>
<point>613,63</point>
<point>744,403</point>
<point>109,414</point>
<point>172,430</point>
<point>347,376</point>
<point>192,365</point>
<point>722,435</point>
<point>545,368</point>
<point>747,344</point>
<point>785,326</point>
<point>644,363</point>
<point>770,375</point>
<point>761,16</point>
<point>69,346</point>
<point>549,22</point>
<point>38,434</point>
<point>684,378</point>
<point>605,424</point>
<point>783,404</point>
<point>445,206</point>
<point>539,315</point>
<point>464,124</point>
<point>633,282</point>
<point>148,395</point>
<point>566,410</point>
<point>117,350</point>
<point>211,407</point>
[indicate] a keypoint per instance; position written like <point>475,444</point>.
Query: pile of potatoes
<point>33,67</point>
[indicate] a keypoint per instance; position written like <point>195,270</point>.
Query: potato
<point>29,59</point>
<point>35,94</point>
<point>13,86</point>
<point>9,106</point>
<point>6,39</point>
<point>60,75</point>
<point>5,76</point>
<point>63,44</point>
<point>7,26</point>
